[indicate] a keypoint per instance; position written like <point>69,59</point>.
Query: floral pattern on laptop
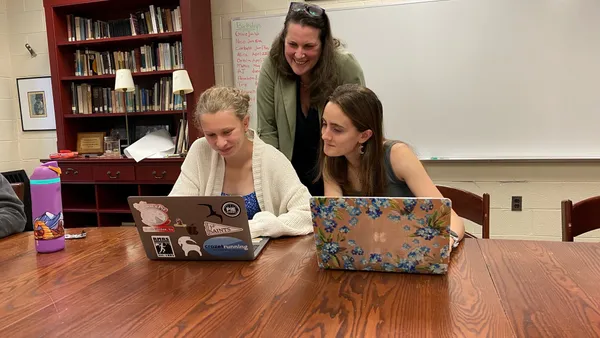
<point>382,234</point>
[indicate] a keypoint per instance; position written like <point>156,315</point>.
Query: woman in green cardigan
<point>304,66</point>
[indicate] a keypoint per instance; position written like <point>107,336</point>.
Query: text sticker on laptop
<point>155,217</point>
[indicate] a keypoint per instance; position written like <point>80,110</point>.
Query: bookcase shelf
<point>134,114</point>
<point>112,76</point>
<point>90,196</point>
<point>115,211</point>
<point>121,40</point>
<point>80,210</point>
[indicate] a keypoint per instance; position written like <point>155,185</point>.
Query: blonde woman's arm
<point>290,199</point>
<point>188,182</point>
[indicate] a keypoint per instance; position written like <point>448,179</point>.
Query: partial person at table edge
<point>232,160</point>
<point>304,66</point>
<point>12,210</point>
<point>357,160</point>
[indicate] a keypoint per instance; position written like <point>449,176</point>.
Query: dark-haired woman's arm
<point>409,168</point>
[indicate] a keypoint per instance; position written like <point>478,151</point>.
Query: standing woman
<point>304,66</point>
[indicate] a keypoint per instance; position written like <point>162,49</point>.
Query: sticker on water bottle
<point>48,226</point>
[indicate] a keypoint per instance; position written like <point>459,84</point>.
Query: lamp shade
<point>124,81</point>
<point>181,81</point>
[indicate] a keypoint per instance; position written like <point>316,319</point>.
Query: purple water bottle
<point>46,208</point>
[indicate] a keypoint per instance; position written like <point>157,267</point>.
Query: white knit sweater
<point>284,201</point>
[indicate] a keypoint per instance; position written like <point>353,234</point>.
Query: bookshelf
<point>95,190</point>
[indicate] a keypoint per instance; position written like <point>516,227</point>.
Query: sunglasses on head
<point>311,10</point>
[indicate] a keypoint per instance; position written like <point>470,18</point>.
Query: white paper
<point>157,144</point>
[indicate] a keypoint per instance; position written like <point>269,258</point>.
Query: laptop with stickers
<point>194,228</point>
<point>409,235</point>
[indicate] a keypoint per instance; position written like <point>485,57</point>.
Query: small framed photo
<point>36,103</point>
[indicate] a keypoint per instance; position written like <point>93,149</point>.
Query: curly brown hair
<point>324,75</point>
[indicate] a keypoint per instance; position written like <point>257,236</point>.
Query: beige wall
<point>21,21</point>
<point>542,185</point>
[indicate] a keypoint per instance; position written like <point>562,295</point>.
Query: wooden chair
<point>579,218</point>
<point>470,206</point>
<point>19,189</point>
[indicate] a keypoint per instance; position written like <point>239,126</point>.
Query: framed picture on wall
<point>36,103</point>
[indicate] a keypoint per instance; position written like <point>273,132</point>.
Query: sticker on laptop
<point>211,212</point>
<point>163,246</point>
<point>188,245</point>
<point>213,229</point>
<point>191,230</point>
<point>179,223</point>
<point>226,246</point>
<point>231,209</point>
<point>154,216</point>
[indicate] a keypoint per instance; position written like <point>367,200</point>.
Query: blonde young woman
<point>232,160</point>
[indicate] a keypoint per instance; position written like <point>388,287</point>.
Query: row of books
<point>182,137</point>
<point>147,58</point>
<point>154,20</point>
<point>92,99</point>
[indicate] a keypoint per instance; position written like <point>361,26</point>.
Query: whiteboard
<point>467,79</point>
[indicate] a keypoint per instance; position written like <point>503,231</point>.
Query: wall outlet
<point>516,203</point>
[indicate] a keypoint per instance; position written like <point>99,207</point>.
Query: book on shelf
<point>181,139</point>
<point>91,99</point>
<point>147,58</point>
<point>155,20</point>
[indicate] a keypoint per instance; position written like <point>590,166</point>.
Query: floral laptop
<point>409,235</point>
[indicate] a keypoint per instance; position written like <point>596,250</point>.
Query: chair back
<point>19,189</point>
<point>579,218</point>
<point>468,205</point>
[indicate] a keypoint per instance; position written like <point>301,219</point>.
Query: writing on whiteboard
<point>249,52</point>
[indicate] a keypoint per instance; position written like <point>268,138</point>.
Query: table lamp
<point>182,86</point>
<point>124,83</point>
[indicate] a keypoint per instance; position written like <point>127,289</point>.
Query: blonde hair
<point>217,98</point>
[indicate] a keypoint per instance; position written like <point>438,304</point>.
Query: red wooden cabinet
<point>99,195</point>
<point>159,172</point>
<point>77,173</point>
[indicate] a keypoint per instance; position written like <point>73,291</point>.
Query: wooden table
<point>105,286</point>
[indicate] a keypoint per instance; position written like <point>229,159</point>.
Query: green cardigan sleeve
<point>350,70</point>
<point>265,104</point>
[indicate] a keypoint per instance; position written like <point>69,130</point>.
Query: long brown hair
<point>324,75</point>
<point>364,109</point>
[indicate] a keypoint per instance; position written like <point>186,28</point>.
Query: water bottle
<point>46,208</point>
